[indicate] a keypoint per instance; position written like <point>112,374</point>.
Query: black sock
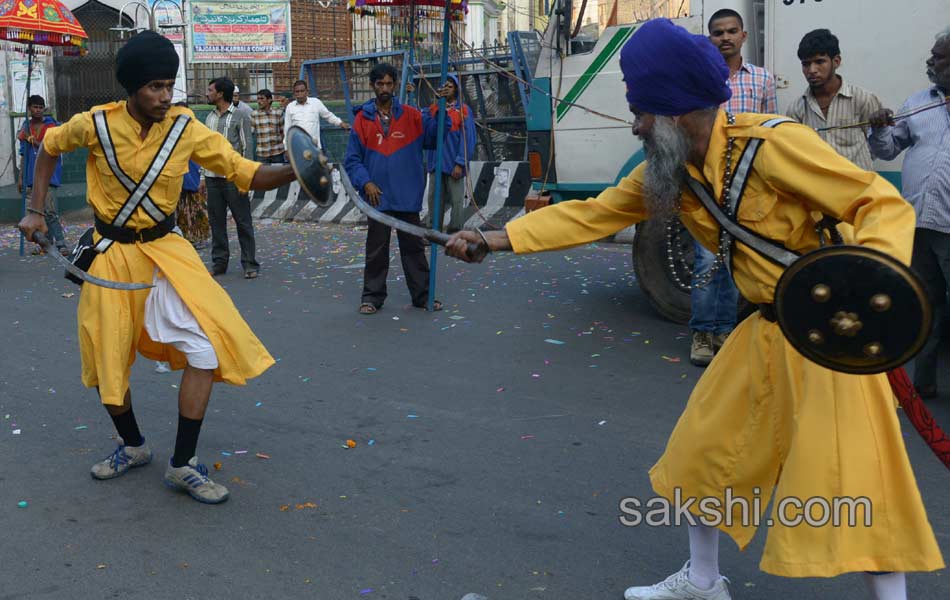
<point>186,443</point>
<point>127,427</point>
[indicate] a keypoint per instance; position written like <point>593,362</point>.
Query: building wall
<point>316,32</point>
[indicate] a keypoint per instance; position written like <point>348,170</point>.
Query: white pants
<point>169,321</point>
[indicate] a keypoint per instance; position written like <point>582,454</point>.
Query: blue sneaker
<point>120,461</point>
<point>193,478</point>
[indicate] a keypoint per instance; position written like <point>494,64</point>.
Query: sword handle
<point>40,238</point>
<point>442,239</point>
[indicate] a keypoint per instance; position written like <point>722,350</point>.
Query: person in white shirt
<point>242,107</point>
<point>306,112</point>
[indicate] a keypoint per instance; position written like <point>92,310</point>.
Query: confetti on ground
<point>371,443</point>
<point>259,404</point>
<point>69,295</point>
<point>16,432</point>
<point>22,504</point>
<point>366,591</point>
<point>101,566</point>
<point>226,453</point>
<point>672,359</point>
<point>262,455</point>
<point>501,389</point>
<point>217,466</point>
<point>527,437</point>
<point>412,416</point>
<point>555,342</point>
<point>240,451</point>
<point>81,427</point>
<point>602,423</point>
<point>284,507</point>
<point>351,443</point>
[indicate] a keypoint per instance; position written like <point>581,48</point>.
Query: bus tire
<point>650,264</point>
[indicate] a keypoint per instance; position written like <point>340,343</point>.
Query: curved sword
<point>43,241</point>
<point>373,213</point>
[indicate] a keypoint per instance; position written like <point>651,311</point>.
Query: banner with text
<point>239,31</point>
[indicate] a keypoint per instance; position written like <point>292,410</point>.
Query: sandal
<point>436,306</point>
<point>367,309</point>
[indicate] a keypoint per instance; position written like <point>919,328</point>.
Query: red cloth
<point>919,415</point>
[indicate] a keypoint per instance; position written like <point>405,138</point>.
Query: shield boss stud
<point>821,293</point>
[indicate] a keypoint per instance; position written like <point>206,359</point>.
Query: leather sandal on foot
<point>367,309</point>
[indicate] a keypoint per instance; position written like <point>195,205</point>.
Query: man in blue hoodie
<point>457,149</point>
<point>31,138</point>
<point>384,162</point>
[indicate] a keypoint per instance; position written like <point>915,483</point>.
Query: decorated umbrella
<point>43,22</point>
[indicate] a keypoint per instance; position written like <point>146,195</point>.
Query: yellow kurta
<point>111,322</point>
<point>762,417</point>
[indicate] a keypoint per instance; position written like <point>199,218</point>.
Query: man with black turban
<point>138,154</point>
<point>763,422</point>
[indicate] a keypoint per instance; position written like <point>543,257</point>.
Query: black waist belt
<point>768,312</point>
<point>124,235</point>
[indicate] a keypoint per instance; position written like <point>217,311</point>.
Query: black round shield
<point>853,309</point>
<point>310,166</point>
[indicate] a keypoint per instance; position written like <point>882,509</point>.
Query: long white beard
<point>666,148</point>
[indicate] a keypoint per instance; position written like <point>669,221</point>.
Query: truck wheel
<point>650,263</point>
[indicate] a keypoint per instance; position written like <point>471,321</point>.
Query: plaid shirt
<point>753,91</point>
<point>268,128</point>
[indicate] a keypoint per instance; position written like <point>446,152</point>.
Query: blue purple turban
<point>669,71</point>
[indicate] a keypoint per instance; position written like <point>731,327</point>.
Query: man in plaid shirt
<point>267,123</point>
<point>715,305</point>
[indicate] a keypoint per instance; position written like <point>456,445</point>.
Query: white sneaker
<point>193,478</point>
<point>678,587</point>
<point>120,461</point>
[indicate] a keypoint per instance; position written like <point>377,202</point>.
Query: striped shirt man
<point>926,172</point>
<point>236,128</point>
<point>268,128</point>
<point>851,104</point>
<point>753,90</point>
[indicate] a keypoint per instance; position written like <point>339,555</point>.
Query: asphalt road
<point>494,440</point>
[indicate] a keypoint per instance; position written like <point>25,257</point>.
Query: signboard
<point>239,31</point>
<point>168,19</point>
<point>18,81</point>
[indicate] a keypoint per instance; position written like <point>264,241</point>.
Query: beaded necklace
<point>725,240</point>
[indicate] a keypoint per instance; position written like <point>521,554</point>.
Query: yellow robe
<point>111,322</point>
<point>764,422</point>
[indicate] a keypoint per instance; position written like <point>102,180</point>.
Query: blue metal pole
<point>437,179</point>
<point>412,48</point>
<point>26,105</point>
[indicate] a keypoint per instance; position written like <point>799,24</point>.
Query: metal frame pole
<point>437,179</point>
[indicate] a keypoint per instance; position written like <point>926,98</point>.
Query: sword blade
<point>370,211</point>
<point>41,239</point>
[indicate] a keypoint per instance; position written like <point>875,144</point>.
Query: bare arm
<point>269,177</point>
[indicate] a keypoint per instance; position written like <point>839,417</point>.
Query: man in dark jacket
<point>458,146</point>
<point>384,162</point>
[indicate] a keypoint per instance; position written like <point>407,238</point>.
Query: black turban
<point>147,56</point>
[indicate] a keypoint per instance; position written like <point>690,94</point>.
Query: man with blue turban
<point>763,422</point>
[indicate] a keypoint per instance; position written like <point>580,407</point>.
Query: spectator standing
<point>30,137</point>
<point>458,146</point>
<point>926,185</point>
<point>267,124</point>
<point>224,194</point>
<point>830,101</point>
<point>242,107</point>
<point>306,112</point>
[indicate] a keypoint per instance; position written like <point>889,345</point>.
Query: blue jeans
<point>714,306</point>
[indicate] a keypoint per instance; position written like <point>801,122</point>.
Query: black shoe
<point>218,270</point>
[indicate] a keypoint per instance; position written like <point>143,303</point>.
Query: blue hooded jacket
<point>394,161</point>
<point>459,128</point>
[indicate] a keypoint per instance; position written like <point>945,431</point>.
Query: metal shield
<point>853,309</point>
<point>310,166</point>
